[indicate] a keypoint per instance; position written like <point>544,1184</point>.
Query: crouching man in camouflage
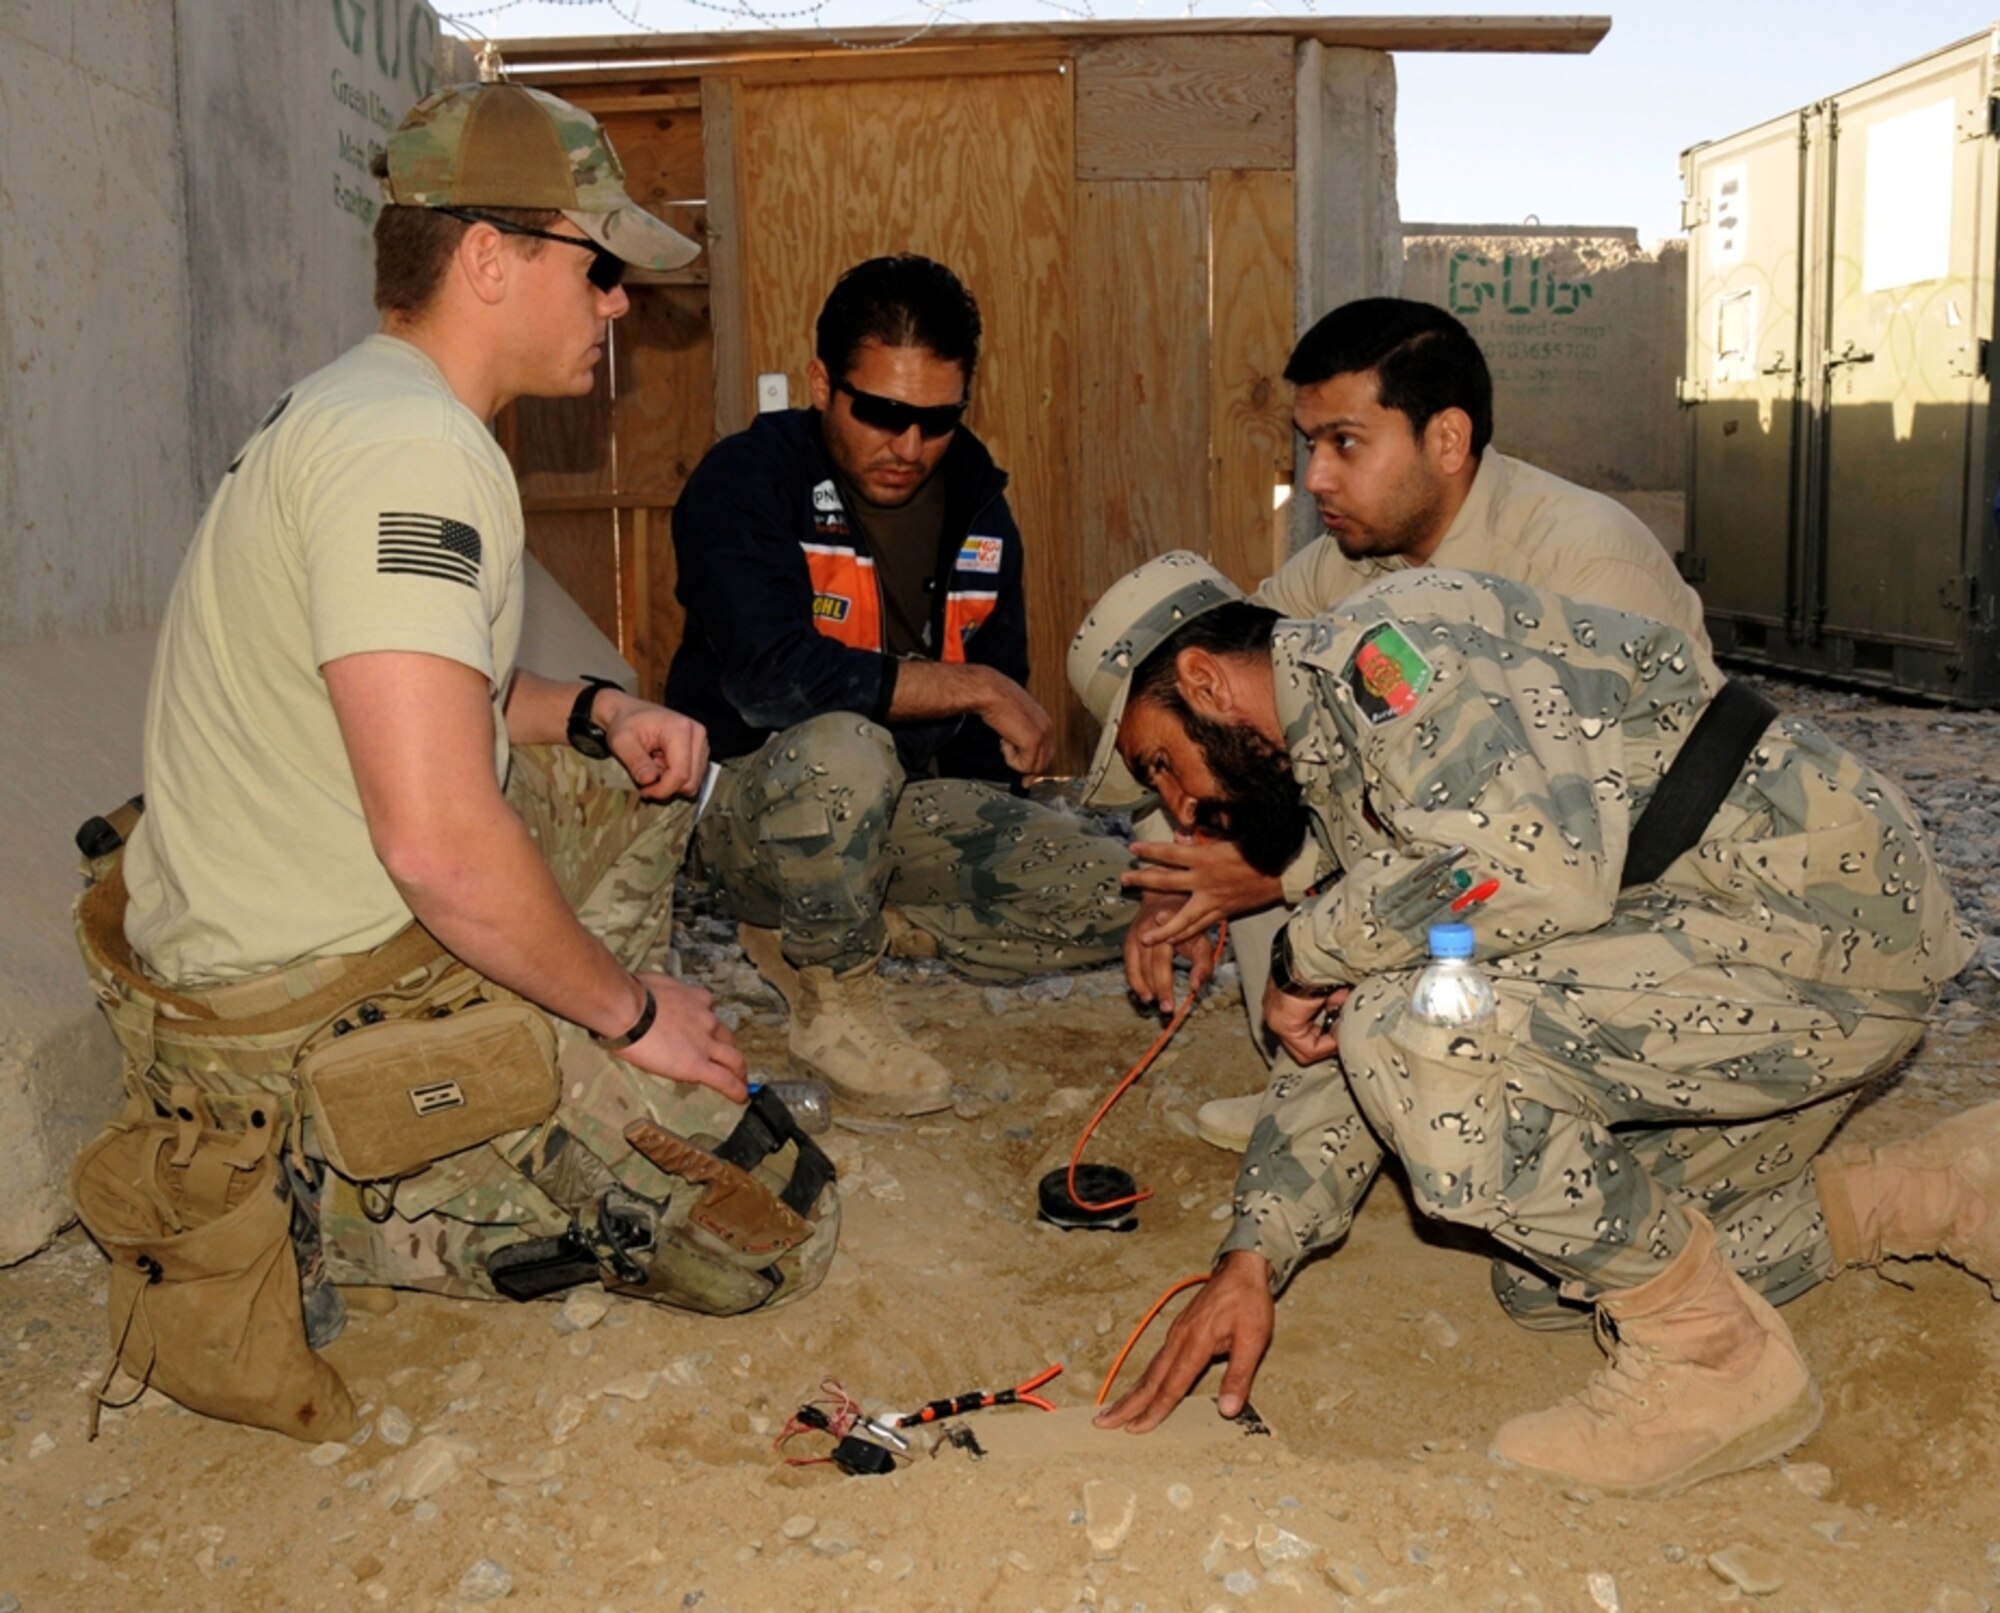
<point>1709,930</point>
<point>328,886</point>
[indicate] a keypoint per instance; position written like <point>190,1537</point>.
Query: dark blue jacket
<point>783,611</point>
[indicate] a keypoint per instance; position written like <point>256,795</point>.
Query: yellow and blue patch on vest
<point>981,555</point>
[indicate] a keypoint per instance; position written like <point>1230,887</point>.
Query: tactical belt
<point>1697,781</point>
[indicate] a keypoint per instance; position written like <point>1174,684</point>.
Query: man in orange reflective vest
<point>856,645</point>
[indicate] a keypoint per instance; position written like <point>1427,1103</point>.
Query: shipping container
<point>1842,457</point>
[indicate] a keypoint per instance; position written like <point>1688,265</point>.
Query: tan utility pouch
<point>389,1098</point>
<point>204,1284</point>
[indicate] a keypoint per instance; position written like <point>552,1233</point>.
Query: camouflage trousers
<point>819,829</point>
<point>614,856</point>
<point>1622,1083</point>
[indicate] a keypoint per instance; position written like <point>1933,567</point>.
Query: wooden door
<point>966,157</point>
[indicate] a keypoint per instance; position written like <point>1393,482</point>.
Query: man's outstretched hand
<point>1232,1316</point>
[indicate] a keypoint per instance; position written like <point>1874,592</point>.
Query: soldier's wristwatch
<point>585,737</point>
<point>1281,970</point>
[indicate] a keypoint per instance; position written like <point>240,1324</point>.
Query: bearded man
<point>1711,928</point>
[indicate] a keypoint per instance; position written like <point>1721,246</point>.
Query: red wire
<point>1145,1062</point>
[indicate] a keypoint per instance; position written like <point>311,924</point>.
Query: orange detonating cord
<point>1139,1332</point>
<point>1145,1062</point>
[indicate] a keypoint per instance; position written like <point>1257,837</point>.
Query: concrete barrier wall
<point>1583,331</point>
<point>96,493</point>
<point>184,231</point>
<point>282,106</point>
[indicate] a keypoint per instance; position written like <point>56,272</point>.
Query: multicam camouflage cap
<point>505,145</point>
<point>1137,614</point>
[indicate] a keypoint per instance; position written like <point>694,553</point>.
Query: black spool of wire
<point>1095,1184</point>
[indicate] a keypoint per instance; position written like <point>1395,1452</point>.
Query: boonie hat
<point>1137,614</point>
<point>505,145</point>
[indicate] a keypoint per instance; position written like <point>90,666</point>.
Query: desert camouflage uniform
<point>614,856</point>
<point>814,831</point>
<point>1689,1043</point>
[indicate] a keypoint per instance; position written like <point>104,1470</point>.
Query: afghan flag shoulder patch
<point>1387,674</point>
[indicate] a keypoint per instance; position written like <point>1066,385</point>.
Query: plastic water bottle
<point>808,1099</point>
<point>1452,991</point>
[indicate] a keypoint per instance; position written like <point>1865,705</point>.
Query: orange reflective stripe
<point>964,613</point>
<point>845,603</point>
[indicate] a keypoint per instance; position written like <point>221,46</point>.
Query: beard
<point>1262,812</point>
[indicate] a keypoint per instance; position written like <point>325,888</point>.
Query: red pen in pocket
<point>1478,894</point>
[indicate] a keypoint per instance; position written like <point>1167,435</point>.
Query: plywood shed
<point>1145,212</point>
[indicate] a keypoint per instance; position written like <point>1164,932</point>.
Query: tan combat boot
<point>844,1032</point>
<point>1227,1123</point>
<point>766,953</point>
<point>1933,1196</point>
<point>907,940</point>
<point>1704,1379</point>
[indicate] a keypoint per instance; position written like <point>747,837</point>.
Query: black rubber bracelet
<point>1281,970</point>
<point>641,1025</point>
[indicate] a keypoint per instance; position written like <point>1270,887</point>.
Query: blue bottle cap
<point>1451,941</point>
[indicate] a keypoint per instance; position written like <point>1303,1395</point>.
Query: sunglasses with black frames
<point>606,269</point>
<point>932,420</point>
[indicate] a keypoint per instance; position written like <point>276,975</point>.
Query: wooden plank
<point>602,104</point>
<point>1175,108</point>
<point>1142,375</point>
<point>663,353</point>
<point>580,549</point>
<point>977,172</point>
<point>660,625</point>
<point>534,60</point>
<point>1249,424</point>
<point>562,446</point>
<point>634,586</point>
<point>721,100</point>
<point>882,68</point>
<point>663,350</point>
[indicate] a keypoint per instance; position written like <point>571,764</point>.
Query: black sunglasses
<point>606,269</point>
<point>932,420</point>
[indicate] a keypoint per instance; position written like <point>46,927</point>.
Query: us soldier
<point>1395,402</point>
<point>857,645</point>
<point>1708,934</point>
<point>334,709</point>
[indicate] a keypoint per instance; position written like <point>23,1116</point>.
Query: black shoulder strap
<point>1696,781</point>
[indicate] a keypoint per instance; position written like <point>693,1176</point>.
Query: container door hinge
<point>1981,120</point>
<point>1692,567</point>
<point>1694,211</point>
<point>1688,392</point>
<point>1960,593</point>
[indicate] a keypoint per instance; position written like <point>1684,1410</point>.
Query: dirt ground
<point>629,1464</point>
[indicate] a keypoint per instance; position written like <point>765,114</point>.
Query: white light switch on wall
<point>773,392</point>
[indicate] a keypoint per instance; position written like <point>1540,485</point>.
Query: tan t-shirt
<point>1528,526</point>
<point>370,511</point>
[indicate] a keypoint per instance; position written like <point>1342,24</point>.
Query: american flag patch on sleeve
<point>412,545</point>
